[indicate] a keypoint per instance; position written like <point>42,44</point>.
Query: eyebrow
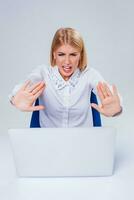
<point>70,53</point>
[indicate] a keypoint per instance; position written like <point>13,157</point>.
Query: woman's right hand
<point>27,95</point>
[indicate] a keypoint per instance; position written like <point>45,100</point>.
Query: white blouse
<point>67,103</point>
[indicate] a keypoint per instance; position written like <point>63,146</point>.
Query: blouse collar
<point>60,82</point>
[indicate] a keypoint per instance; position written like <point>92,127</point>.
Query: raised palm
<point>110,101</point>
<point>27,95</point>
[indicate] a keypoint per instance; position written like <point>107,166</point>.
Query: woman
<point>64,88</point>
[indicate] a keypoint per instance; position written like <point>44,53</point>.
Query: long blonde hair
<point>72,37</point>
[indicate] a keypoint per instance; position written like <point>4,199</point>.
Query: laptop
<point>61,152</point>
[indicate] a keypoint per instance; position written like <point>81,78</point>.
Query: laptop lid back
<point>45,152</point>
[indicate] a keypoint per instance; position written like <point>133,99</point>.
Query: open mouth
<point>67,68</point>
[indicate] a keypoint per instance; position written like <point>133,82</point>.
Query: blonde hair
<point>72,37</point>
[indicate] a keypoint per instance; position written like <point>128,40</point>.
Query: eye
<point>73,54</point>
<point>61,54</point>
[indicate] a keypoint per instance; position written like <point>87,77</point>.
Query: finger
<point>115,92</point>
<point>24,86</point>
<point>33,86</point>
<point>109,93</point>
<point>99,89</point>
<point>38,93</point>
<point>96,107</point>
<point>100,93</point>
<point>36,108</point>
<point>104,91</point>
<point>37,89</point>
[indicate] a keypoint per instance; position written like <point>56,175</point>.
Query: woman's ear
<point>54,55</point>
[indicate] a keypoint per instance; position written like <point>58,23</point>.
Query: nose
<point>67,60</point>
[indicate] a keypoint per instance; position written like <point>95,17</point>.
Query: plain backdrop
<point>26,31</point>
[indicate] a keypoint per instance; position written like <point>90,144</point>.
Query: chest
<point>68,96</point>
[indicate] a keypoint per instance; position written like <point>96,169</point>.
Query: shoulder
<point>93,75</point>
<point>42,68</point>
<point>38,73</point>
<point>91,72</point>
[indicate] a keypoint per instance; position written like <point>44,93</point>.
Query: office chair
<point>96,115</point>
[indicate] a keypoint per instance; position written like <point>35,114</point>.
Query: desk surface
<point>119,186</point>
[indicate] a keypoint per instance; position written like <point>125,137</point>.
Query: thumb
<point>36,108</point>
<point>96,107</point>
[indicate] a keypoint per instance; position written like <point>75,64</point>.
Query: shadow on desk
<point>121,160</point>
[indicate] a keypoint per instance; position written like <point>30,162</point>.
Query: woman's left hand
<point>110,101</point>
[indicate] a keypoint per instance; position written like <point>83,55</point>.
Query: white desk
<point>117,187</point>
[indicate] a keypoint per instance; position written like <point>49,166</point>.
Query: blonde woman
<point>64,87</point>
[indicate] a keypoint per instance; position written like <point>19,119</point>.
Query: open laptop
<point>60,152</point>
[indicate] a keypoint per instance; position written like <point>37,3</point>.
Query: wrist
<point>119,112</point>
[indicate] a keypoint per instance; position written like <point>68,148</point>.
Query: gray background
<point>27,28</point>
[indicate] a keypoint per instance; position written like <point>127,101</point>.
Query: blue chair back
<point>96,115</point>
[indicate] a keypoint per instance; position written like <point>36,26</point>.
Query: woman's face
<point>67,59</point>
